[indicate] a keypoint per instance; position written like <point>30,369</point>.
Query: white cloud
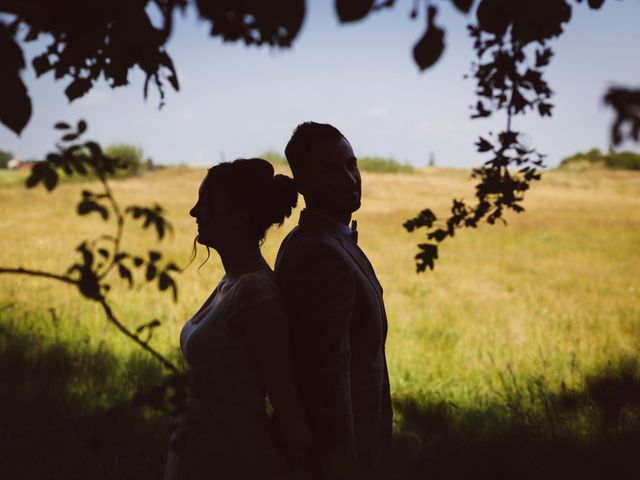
<point>376,111</point>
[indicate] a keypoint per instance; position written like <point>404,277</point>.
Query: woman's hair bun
<point>284,197</point>
<point>254,191</point>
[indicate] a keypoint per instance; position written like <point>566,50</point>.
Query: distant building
<point>20,165</point>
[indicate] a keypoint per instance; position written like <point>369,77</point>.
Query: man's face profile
<point>331,181</point>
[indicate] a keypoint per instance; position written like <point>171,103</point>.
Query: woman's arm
<point>264,327</point>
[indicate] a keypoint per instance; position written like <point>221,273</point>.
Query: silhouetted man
<point>335,312</point>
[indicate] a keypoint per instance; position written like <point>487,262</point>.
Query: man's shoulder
<point>309,238</point>
<point>310,244</point>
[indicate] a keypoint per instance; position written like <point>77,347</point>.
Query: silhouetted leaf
<point>120,256</point>
<point>87,206</point>
<point>88,284</point>
<point>152,270</point>
<point>15,104</point>
<point>483,145</point>
<point>430,47</point>
<point>164,281</point>
<point>424,219</point>
<point>126,274</point>
<point>154,256</point>
<point>595,4</point>
<point>33,179</point>
<point>438,235</point>
<point>352,10</point>
<point>138,261</point>
<point>62,126</point>
<point>463,5</point>
<point>159,228</point>
<point>50,178</point>
<point>545,109</point>
<point>494,15</point>
<point>172,267</point>
<point>104,252</point>
<point>543,57</point>
<point>69,137</point>
<point>148,326</point>
<point>426,257</point>
<point>77,88</point>
<point>82,126</point>
<point>41,64</point>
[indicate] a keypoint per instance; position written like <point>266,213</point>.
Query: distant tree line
<point>365,164</point>
<point>625,160</point>
<point>4,158</point>
<point>131,157</point>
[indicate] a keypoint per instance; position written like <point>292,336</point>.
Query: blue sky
<point>238,102</point>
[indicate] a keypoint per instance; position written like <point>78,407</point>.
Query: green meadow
<point>517,357</point>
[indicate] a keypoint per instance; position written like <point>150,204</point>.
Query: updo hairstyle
<point>253,189</point>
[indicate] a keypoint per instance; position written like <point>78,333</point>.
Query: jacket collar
<point>310,218</point>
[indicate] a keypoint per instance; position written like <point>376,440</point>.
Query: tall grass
<point>493,357</point>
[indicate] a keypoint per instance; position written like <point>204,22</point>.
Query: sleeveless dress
<point>224,431</point>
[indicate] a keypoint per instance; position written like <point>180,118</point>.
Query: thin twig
<point>107,310</point>
<point>120,225</point>
<point>38,273</point>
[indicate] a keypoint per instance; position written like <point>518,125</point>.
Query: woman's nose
<point>192,212</point>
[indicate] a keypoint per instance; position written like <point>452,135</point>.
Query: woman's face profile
<point>211,212</point>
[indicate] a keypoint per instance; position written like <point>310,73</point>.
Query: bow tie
<point>354,231</point>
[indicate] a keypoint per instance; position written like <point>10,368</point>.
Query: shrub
<point>4,158</point>
<point>131,155</point>
<point>383,165</point>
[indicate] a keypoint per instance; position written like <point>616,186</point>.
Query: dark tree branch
<point>112,318</point>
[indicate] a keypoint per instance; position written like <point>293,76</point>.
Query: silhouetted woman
<point>236,345</point>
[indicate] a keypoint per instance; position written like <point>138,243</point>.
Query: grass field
<point>517,357</point>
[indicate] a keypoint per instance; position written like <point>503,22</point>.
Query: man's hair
<point>306,137</point>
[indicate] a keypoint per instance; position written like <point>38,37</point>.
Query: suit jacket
<point>338,328</point>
